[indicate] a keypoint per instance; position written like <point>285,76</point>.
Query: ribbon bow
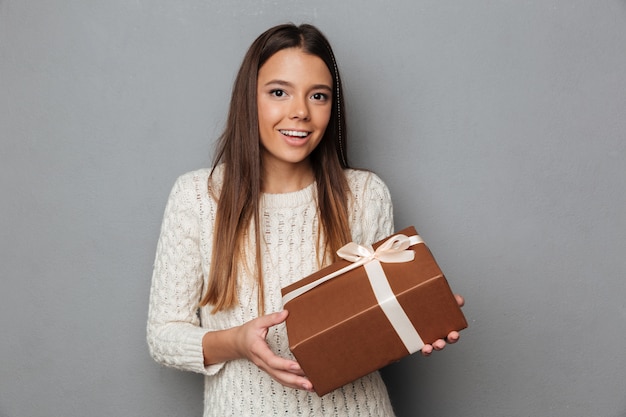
<point>393,250</point>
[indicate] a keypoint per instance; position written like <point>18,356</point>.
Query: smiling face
<point>294,100</point>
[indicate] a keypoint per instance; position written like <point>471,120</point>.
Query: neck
<point>286,179</point>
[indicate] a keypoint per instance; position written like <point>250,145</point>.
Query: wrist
<point>220,346</point>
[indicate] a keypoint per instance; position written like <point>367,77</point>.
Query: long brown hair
<point>239,150</point>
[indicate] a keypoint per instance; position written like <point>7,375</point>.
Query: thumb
<point>273,319</point>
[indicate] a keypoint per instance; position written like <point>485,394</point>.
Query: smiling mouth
<point>295,133</point>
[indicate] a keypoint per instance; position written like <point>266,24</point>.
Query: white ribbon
<point>393,250</point>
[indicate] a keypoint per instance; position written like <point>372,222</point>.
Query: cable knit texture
<point>290,224</point>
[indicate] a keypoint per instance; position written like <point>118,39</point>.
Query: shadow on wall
<point>403,395</point>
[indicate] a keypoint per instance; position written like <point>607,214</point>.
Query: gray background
<point>499,127</point>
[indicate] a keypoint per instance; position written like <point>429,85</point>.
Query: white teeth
<point>294,133</point>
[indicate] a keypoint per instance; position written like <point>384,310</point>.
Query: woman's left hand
<point>452,337</point>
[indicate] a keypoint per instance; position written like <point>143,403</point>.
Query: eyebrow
<point>288,84</point>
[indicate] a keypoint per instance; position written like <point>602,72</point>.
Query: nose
<point>299,109</point>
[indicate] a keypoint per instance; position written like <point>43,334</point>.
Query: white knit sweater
<point>175,326</point>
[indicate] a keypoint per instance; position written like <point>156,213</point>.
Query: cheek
<point>260,112</point>
<point>268,115</point>
<point>324,117</point>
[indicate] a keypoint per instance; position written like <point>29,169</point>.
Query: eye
<point>319,97</point>
<point>277,92</point>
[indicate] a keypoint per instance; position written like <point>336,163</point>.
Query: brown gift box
<point>338,332</point>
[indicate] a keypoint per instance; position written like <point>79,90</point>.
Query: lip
<point>295,140</point>
<point>297,131</point>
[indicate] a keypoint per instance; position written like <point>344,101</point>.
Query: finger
<point>439,344</point>
<point>459,299</point>
<point>427,350</point>
<point>272,319</point>
<point>292,381</point>
<point>296,370</point>
<point>265,358</point>
<point>285,371</point>
<point>284,365</point>
<point>453,337</point>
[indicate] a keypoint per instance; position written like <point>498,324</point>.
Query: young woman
<point>278,202</point>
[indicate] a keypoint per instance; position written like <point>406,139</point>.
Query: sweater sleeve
<point>174,334</point>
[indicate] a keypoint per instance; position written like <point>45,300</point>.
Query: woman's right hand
<point>251,344</point>
<point>248,341</point>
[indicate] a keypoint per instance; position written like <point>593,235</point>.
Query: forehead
<point>295,65</point>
